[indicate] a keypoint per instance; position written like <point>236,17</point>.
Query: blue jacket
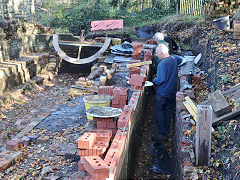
<point>167,74</point>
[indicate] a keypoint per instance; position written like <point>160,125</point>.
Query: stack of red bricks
<point>137,51</point>
<point>137,81</point>
<point>120,97</point>
<point>134,70</point>
<point>148,55</point>
<point>106,123</point>
<point>105,90</point>
<point>94,143</point>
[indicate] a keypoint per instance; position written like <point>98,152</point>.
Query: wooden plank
<point>226,116</point>
<point>91,89</point>
<point>139,64</point>
<point>203,134</point>
<point>80,44</point>
<point>191,103</point>
<point>190,110</point>
<point>75,60</point>
<point>219,103</point>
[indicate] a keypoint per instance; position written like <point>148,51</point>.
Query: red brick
<point>108,119</point>
<point>122,121</point>
<point>115,100</point>
<point>139,78</point>
<point>151,41</point>
<point>4,164</point>
<point>118,105</point>
<point>136,88</point>
<point>12,145</point>
<point>80,166</point>
<point>95,166</point>
<point>122,102</point>
<point>134,70</point>
<point>136,57</point>
<point>112,125</point>
<point>135,82</point>
<point>101,124</point>
<point>121,97</point>
<point>120,91</point>
<point>105,90</point>
<point>85,152</point>
<point>128,108</point>
<point>86,140</point>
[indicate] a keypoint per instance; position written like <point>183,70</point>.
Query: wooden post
<point>203,134</point>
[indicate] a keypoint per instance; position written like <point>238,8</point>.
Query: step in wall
<point>17,72</point>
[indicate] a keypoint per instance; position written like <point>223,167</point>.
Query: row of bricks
<point>106,125</point>
<point>95,119</point>
<point>184,146</point>
<point>123,120</point>
<point>114,153</point>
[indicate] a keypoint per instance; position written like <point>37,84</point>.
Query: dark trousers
<point>164,108</point>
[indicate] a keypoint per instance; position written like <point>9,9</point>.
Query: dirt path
<point>19,110</point>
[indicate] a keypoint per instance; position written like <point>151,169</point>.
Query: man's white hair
<point>158,37</point>
<point>162,48</point>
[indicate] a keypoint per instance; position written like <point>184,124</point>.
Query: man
<point>166,82</point>
<point>159,39</point>
<point>172,45</point>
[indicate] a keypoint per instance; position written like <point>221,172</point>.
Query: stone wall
<point>17,9</point>
<point>24,46</point>
<point>19,38</point>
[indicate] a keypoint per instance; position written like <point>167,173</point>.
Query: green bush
<point>78,16</point>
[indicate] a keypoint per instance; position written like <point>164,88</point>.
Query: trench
<point>148,159</point>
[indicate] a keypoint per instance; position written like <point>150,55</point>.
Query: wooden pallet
<point>232,93</point>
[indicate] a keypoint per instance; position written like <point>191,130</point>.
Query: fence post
<point>203,134</point>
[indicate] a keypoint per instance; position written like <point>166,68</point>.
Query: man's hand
<point>183,61</point>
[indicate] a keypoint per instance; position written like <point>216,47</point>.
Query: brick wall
<point>17,9</point>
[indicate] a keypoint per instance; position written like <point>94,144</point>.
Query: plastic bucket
<point>222,23</point>
<point>96,100</point>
